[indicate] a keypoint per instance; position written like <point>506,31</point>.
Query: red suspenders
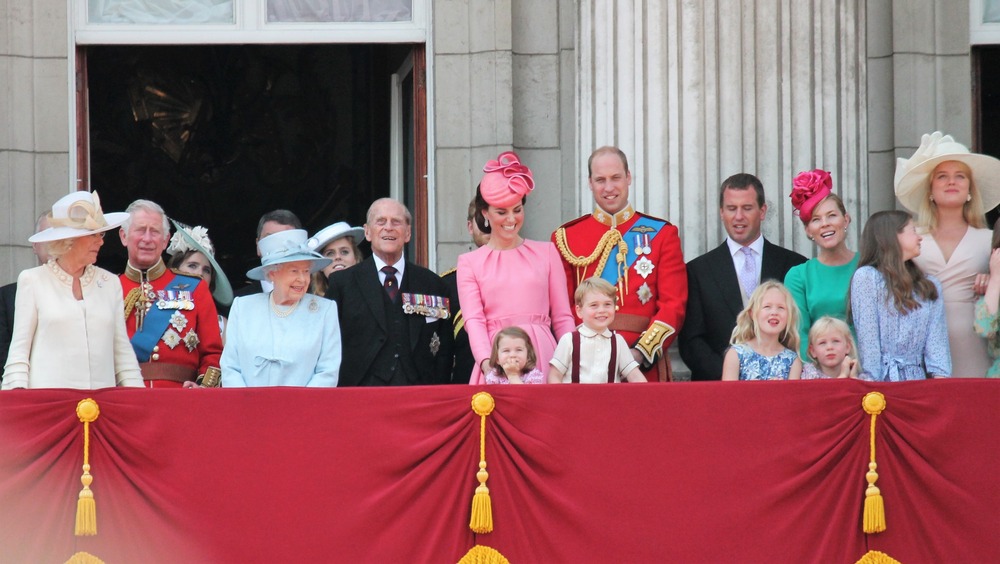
<point>612,364</point>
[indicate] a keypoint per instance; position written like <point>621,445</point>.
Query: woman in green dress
<point>820,285</point>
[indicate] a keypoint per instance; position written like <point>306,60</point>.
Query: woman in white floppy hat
<point>339,243</point>
<point>285,337</point>
<point>69,331</point>
<point>949,189</point>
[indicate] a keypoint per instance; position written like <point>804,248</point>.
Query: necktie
<point>390,285</point>
<point>748,274</point>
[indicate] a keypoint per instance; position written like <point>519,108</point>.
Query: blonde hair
<point>972,211</point>
<point>826,324</point>
<point>746,328</point>
<point>59,247</point>
<point>594,284</point>
<point>513,332</point>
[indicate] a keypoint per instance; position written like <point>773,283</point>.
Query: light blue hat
<point>286,246</point>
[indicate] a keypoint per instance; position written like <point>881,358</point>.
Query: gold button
<point>156,348</point>
<point>155,357</point>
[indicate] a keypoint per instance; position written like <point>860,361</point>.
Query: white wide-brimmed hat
<point>913,175</point>
<point>196,239</point>
<point>76,215</point>
<point>286,246</point>
<point>333,232</point>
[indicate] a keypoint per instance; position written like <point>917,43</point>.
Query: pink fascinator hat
<point>505,181</point>
<point>808,190</point>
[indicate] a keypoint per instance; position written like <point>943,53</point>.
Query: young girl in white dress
<point>831,348</point>
<point>766,338</point>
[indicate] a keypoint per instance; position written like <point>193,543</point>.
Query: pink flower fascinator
<point>808,189</point>
<point>505,181</point>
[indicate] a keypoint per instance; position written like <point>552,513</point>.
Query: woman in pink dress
<point>510,280</point>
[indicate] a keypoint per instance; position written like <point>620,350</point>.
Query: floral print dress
<point>755,366</point>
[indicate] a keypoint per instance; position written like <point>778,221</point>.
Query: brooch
<point>313,306</point>
<point>644,267</point>
<point>191,340</point>
<point>644,293</point>
<point>178,321</point>
<point>171,338</point>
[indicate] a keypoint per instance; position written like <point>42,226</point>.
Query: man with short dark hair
<point>720,281</point>
<point>638,253</point>
<point>269,224</point>
<point>394,319</point>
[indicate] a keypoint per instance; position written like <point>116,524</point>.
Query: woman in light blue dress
<point>898,311</point>
<point>286,337</point>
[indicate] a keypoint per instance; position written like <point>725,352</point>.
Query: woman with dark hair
<point>510,280</point>
<point>820,285</point>
<point>898,311</point>
<point>949,188</point>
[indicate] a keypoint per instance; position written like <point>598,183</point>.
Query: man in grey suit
<point>721,280</point>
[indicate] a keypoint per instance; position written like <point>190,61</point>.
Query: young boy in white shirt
<point>593,354</point>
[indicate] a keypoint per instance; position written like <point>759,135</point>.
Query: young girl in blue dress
<point>766,337</point>
<point>898,311</point>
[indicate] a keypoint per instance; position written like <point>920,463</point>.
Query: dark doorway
<point>986,106</point>
<point>218,135</point>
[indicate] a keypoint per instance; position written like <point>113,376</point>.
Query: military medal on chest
<point>426,305</point>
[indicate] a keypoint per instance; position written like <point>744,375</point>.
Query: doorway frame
<point>250,27</point>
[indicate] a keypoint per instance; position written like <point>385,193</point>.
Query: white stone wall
<point>504,79</point>
<point>920,81</point>
<point>694,91</point>
<point>33,123</point>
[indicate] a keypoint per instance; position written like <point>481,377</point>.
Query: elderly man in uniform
<point>170,317</point>
<point>638,253</point>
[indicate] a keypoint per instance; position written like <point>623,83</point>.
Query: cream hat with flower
<point>912,180</point>
<point>76,215</point>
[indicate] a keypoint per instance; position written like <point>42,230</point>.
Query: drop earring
<point>486,222</point>
<point>968,198</point>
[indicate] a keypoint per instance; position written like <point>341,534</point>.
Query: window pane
<point>991,11</point>
<point>339,10</point>
<point>160,11</point>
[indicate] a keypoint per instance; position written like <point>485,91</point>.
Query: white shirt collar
<point>379,263</point>
<point>590,333</point>
<point>757,246</point>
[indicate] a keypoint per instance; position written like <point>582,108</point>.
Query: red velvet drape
<point>694,472</point>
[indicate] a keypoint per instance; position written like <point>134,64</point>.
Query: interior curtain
<point>338,10</point>
<point>687,472</point>
<point>176,12</point>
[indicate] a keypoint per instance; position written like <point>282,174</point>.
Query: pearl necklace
<point>281,312</point>
<point>66,278</point>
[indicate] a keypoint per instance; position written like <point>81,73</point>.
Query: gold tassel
<point>876,557</point>
<point>482,508</point>
<point>86,507</point>
<point>84,558</point>
<point>480,554</point>
<point>874,514</point>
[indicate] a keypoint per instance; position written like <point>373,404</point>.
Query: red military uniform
<point>191,341</point>
<point>641,254</point>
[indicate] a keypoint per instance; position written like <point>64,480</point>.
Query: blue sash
<point>610,272</point>
<point>156,320</point>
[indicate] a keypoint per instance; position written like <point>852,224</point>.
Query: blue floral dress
<point>894,347</point>
<point>755,366</point>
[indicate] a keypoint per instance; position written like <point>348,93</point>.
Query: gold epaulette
<point>448,272</point>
